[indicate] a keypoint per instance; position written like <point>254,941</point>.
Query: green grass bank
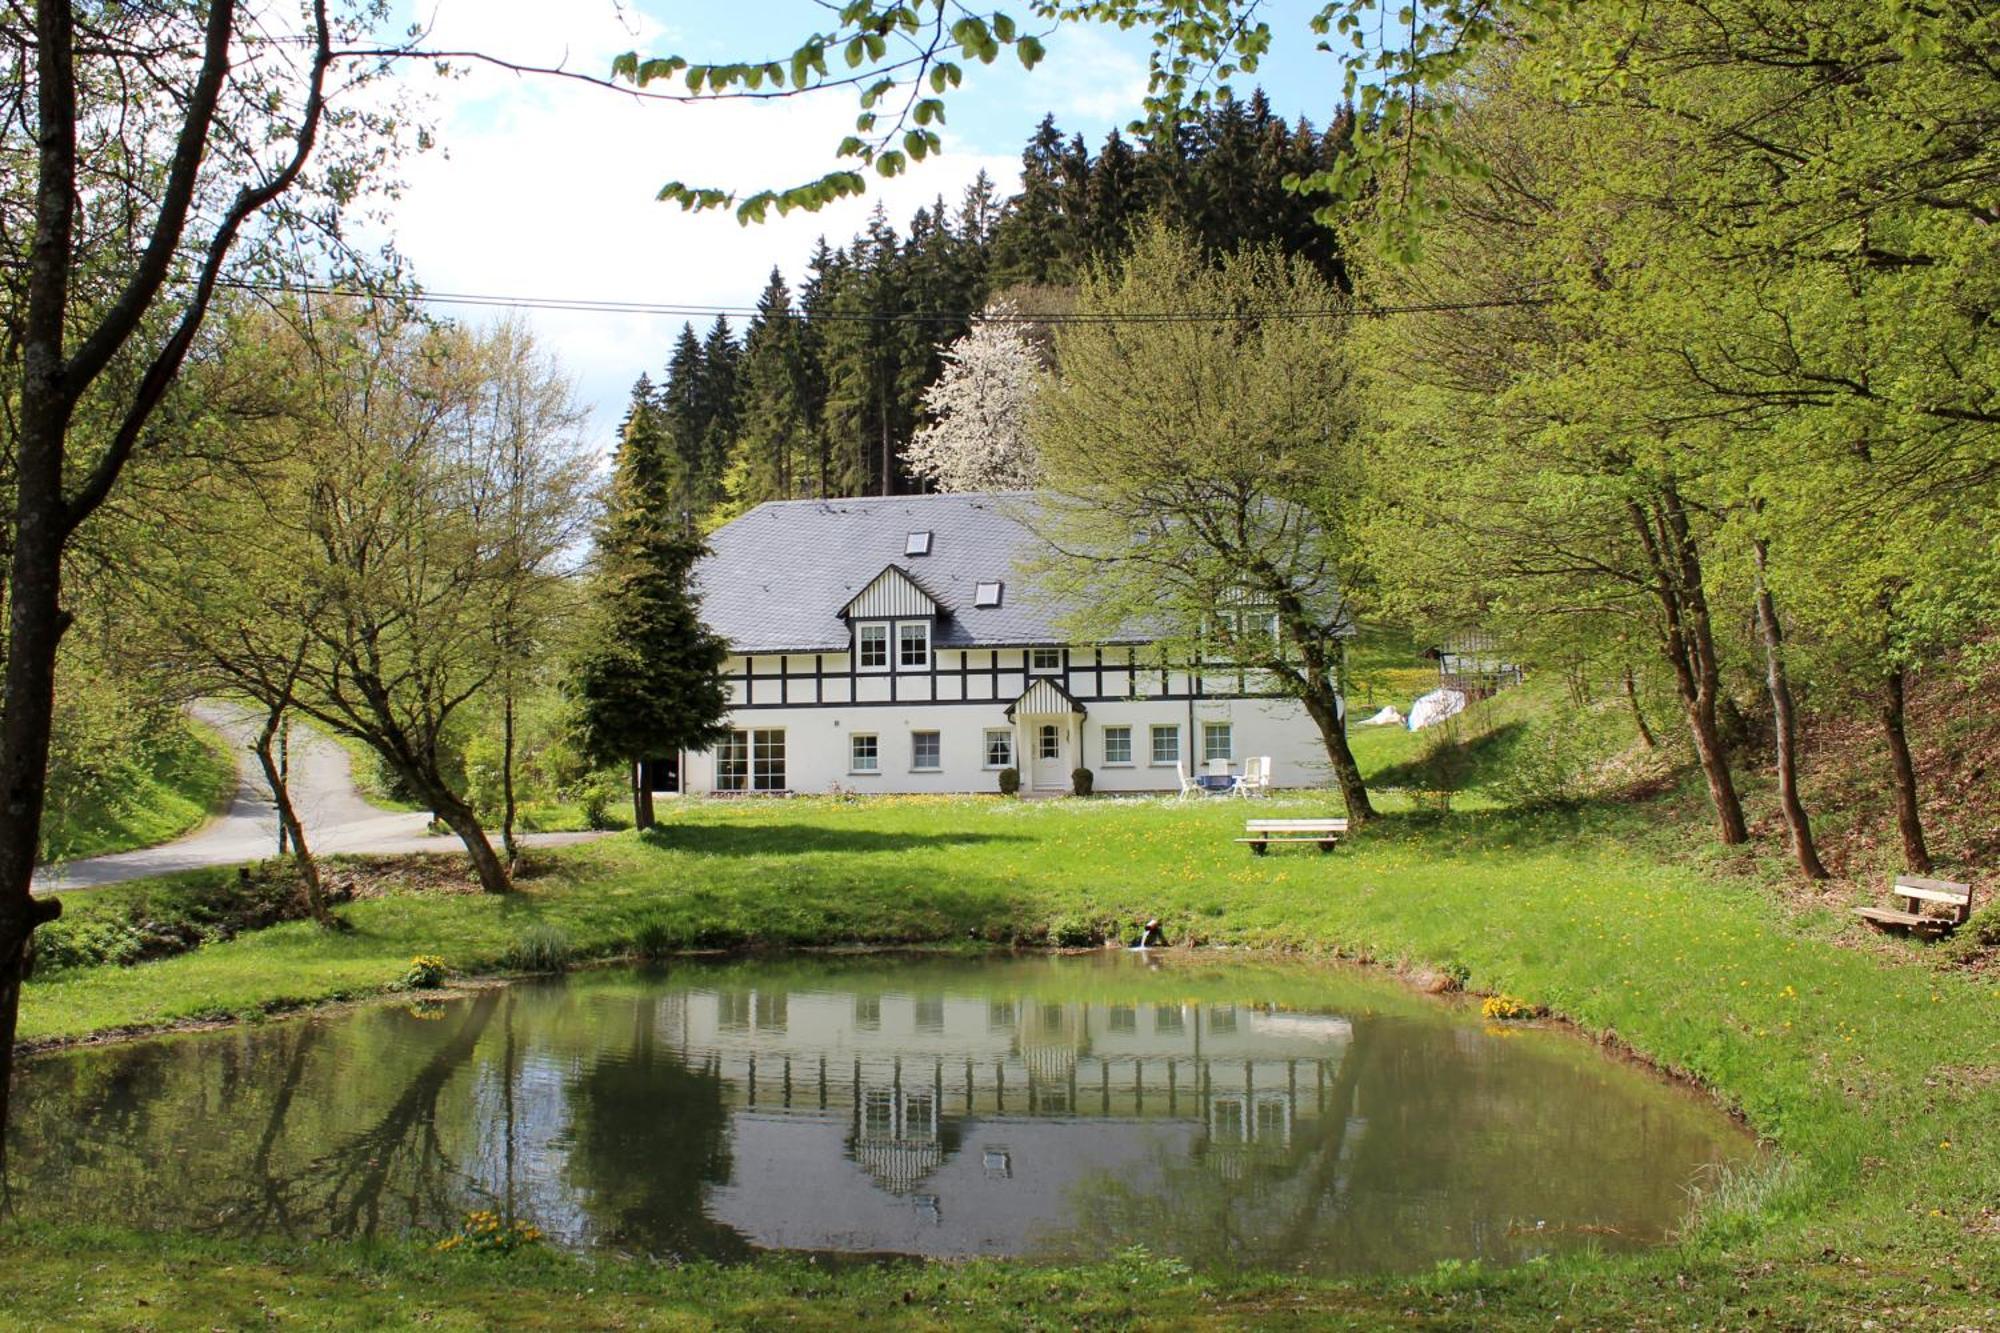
<point>1874,1073</point>
<point>182,778</point>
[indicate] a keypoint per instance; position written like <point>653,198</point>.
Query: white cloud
<point>547,189</point>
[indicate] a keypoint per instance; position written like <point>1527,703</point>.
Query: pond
<point>1241,1114</point>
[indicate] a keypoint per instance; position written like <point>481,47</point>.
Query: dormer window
<point>917,543</point>
<point>913,645</point>
<point>987,594</point>
<point>872,644</point>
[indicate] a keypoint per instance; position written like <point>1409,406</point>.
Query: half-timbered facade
<point>893,644</point>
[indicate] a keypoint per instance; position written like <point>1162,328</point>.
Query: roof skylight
<point>987,594</point>
<point>917,543</point>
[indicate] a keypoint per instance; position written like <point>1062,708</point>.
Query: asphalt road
<point>336,816</point>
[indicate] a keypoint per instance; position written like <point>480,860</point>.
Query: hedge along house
<point>891,645</point>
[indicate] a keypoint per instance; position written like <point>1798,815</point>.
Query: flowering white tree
<point>977,439</point>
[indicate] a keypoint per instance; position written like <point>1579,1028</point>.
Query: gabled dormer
<point>892,620</point>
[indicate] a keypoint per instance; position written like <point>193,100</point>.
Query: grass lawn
<point>185,777</point>
<point>1874,1073</point>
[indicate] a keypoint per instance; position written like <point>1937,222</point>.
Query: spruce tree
<point>648,681</point>
<point>770,458</point>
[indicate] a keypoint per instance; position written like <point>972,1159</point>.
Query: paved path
<point>336,816</point>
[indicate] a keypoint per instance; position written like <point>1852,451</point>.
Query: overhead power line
<point>676,309</point>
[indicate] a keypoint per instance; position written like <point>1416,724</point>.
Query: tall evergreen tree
<point>770,459</point>
<point>681,417</point>
<point>648,681</point>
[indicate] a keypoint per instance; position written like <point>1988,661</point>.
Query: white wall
<point>818,746</point>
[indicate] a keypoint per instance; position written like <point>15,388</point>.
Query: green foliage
<point>1075,932</point>
<point>126,774</point>
<point>426,972</point>
<point>539,948</point>
<point>486,1232</point>
<point>1081,781</point>
<point>122,924</point>
<point>1010,782</point>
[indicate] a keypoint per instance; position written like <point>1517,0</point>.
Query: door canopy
<point>1042,698</point>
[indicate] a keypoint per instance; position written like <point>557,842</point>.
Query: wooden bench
<point>1916,893</point>
<point>1261,834</point>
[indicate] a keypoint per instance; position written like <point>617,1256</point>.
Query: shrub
<point>541,948</point>
<point>1010,781</point>
<point>426,972</point>
<point>1075,932</point>
<point>1548,767</point>
<point>1081,781</point>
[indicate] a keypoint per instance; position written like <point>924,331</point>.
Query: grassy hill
<point>173,784</point>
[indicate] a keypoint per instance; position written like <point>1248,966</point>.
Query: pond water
<point>1258,1115</point>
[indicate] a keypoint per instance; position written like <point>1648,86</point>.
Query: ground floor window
<point>999,749</point>
<point>751,761</point>
<point>1167,744</point>
<point>1215,742</point>
<point>864,754</point>
<point>925,752</point>
<point>1118,745</point>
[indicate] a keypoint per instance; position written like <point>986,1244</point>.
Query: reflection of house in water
<point>939,1124</point>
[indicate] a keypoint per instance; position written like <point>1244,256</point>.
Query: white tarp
<point>1435,707</point>
<point>1385,718</point>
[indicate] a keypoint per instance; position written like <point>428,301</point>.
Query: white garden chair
<point>1255,778</point>
<point>1188,787</point>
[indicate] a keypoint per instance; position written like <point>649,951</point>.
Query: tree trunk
<point>642,797</point>
<point>288,819</point>
<point>1638,713</point>
<point>1798,828</point>
<point>1327,716</point>
<point>507,842</point>
<point>460,819</point>
<point>1903,774</point>
<point>1688,643</point>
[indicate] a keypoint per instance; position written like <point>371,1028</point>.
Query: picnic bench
<point>1261,834</point>
<point>1917,894</point>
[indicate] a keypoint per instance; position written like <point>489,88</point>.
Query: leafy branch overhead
<point>905,58</point>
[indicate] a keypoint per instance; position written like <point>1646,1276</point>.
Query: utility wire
<point>593,305</point>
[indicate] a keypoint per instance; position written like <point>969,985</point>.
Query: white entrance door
<point>1047,749</point>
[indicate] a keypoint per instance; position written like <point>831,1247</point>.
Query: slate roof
<point>777,578</point>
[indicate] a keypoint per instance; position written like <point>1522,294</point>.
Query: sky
<point>543,187</point>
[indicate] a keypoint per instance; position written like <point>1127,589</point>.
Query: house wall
<point>820,703</point>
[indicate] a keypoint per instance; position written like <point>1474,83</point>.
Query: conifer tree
<point>648,681</point>
<point>770,459</point>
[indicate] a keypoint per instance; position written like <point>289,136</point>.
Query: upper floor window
<point>1045,659</point>
<point>872,645</point>
<point>913,645</point>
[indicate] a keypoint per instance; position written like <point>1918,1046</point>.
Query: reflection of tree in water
<point>398,1162</point>
<point>649,1135</point>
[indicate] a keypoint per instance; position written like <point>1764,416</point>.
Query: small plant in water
<point>489,1233</point>
<point>1506,1008</point>
<point>426,972</point>
<point>540,949</point>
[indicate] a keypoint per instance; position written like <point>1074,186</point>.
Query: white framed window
<point>751,760</point>
<point>1167,743</point>
<point>1216,741</point>
<point>1048,742</point>
<point>913,645</point>
<point>872,647</point>
<point>864,753</point>
<point>999,748</point>
<point>986,592</point>
<point>1044,659</point>
<point>925,751</point>
<point>1118,745</point>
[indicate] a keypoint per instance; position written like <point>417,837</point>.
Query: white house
<point>891,644</point>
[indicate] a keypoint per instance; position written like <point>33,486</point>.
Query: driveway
<point>336,816</point>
